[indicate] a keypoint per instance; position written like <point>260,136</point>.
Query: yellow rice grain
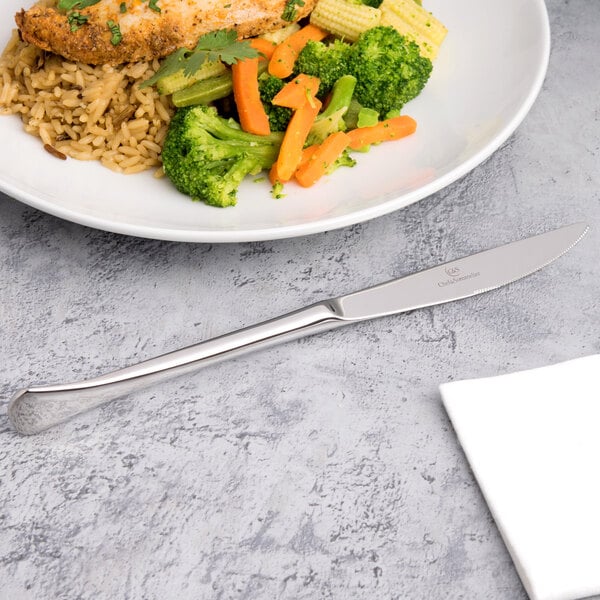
<point>153,146</point>
<point>86,140</point>
<point>129,151</point>
<point>79,79</point>
<point>136,125</point>
<point>109,164</point>
<point>162,110</point>
<point>6,94</point>
<point>130,162</point>
<point>136,169</point>
<point>45,133</point>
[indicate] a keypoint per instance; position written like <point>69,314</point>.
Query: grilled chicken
<point>146,33</point>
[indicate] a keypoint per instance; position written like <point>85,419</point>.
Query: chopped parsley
<point>76,20</point>
<point>153,5</point>
<point>122,8</point>
<point>290,12</point>
<point>117,36</point>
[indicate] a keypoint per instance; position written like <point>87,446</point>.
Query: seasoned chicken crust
<point>146,33</point>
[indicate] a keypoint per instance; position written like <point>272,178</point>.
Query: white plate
<point>488,74</point>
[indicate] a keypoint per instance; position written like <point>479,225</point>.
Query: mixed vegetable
<point>296,101</point>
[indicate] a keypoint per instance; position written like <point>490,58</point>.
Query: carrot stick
<point>295,93</point>
<point>290,153</point>
<point>265,47</point>
<point>274,176</point>
<point>282,62</point>
<point>390,129</point>
<point>251,111</point>
<point>320,161</point>
<point>307,154</point>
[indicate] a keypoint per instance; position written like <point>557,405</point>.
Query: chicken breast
<point>146,33</point>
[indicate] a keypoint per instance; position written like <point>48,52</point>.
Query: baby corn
<point>344,18</point>
<point>416,23</point>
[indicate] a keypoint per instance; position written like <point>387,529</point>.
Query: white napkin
<point>533,441</point>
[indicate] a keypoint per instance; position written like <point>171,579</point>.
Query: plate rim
<point>321,225</point>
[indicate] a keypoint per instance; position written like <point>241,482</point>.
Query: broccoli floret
<point>389,69</point>
<point>279,116</point>
<point>328,62</point>
<point>207,156</point>
<point>345,160</point>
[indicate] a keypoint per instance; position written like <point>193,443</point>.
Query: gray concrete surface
<point>322,469</point>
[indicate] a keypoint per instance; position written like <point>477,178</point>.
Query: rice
<point>86,112</point>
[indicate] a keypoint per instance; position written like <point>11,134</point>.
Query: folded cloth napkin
<point>532,439</point>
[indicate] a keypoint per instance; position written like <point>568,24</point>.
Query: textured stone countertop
<point>325,468</point>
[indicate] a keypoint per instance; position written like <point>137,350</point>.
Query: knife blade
<point>475,274</point>
<point>39,407</point>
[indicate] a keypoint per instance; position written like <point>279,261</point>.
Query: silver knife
<point>36,408</point>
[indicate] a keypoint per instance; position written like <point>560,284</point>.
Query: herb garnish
<point>220,45</point>
<point>76,20</point>
<point>75,4</point>
<point>117,36</point>
<point>123,7</point>
<point>290,12</point>
<point>153,5</point>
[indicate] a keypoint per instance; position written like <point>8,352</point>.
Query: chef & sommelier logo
<point>455,274</point>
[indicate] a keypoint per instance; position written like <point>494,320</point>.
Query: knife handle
<point>39,407</point>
